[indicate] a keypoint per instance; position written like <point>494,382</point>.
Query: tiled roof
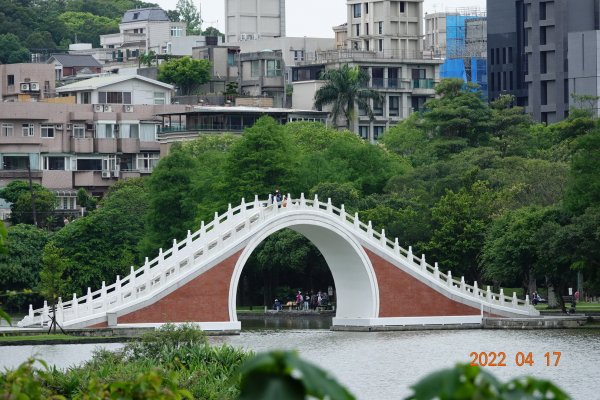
<point>101,81</point>
<point>76,60</point>
<point>145,14</point>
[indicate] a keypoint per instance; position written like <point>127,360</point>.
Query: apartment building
<point>531,54</point>
<point>98,134</point>
<point>26,82</point>
<point>254,19</point>
<point>384,38</point>
<point>145,29</point>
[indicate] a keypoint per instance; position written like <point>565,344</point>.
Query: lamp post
<point>32,191</point>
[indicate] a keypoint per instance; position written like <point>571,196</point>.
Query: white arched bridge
<point>378,283</point>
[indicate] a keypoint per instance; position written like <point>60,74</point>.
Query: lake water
<point>383,365</point>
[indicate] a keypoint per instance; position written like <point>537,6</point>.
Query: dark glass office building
<point>528,51</point>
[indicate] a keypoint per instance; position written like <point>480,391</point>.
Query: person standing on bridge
<point>277,198</point>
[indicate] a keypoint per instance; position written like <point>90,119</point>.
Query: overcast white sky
<point>308,17</point>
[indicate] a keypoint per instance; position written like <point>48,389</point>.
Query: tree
<point>172,206</point>
<point>458,115</point>
<point>190,15</point>
<point>260,162</point>
<point>509,126</point>
<point>583,188</point>
<point>185,72</point>
<point>510,252</point>
<point>460,221</point>
<point>87,27</point>
<point>147,58</point>
<point>19,267</point>
<point>40,40</point>
<point>3,235</point>
<point>212,31</point>
<point>52,280</point>
<point>22,209</point>
<point>344,88</point>
<point>12,51</point>
<point>105,243</point>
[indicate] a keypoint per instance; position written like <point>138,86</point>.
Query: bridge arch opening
<point>357,294</point>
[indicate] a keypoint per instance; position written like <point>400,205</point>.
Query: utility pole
<point>32,191</point>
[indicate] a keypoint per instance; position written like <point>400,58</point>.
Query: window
<point>402,7</point>
<point>105,131</point>
<point>504,55</point>
<point>7,129</point>
<point>79,130</point>
<point>47,131</point>
<point>363,131</point>
<point>176,31</point>
<point>543,7</point>
<point>394,102</point>
<point>129,131</point>
<point>298,55</point>
<point>86,98</point>
<point>230,59</point>
<point>380,28</point>
<point>366,29</point>
<point>54,163</point>
<point>366,8</point>
<point>378,108</point>
<point>28,130</point>
<point>147,161</point>
<point>89,164</point>
<point>273,68</point>
<point>357,29</point>
<point>380,44</point>
<point>356,10</point>
<point>11,80</point>
<point>136,15</point>
<point>159,98</point>
<point>12,163</point>
<point>378,132</point>
<point>114,97</point>
<point>254,68</point>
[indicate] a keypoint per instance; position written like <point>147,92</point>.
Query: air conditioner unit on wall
<point>115,173</point>
<point>69,127</point>
<point>58,127</point>
<point>128,108</point>
<point>105,174</point>
<point>98,108</point>
<point>35,87</point>
<point>24,87</point>
<point>107,108</point>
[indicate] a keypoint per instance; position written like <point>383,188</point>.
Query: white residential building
<point>118,89</point>
<point>254,19</point>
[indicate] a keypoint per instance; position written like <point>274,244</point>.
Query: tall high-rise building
<point>254,19</point>
<point>529,53</point>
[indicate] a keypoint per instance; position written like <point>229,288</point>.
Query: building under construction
<point>460,37</point>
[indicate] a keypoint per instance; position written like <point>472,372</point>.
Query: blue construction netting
<point>454,68</point>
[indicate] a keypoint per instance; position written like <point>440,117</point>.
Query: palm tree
<point>344,88</point>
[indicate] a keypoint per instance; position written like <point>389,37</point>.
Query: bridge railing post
<point>436,272</point>
<point>302,200</point>
<point>75,306</point>
<point>316,202</point>
<point>449,279</point>
<point>60,311</point>
<point>343,213</point>
<point>45,313</point>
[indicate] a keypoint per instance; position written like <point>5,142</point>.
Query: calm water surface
<point>384,365</point>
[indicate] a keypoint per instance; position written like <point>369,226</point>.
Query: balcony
<point>82,145</point>
<point>423,84</point>
<point>128,145</point>
<point>20,174</point>
<point>90,178</point>
<point>344,55</point>
<point>105,145</point>
<point>388,83</point>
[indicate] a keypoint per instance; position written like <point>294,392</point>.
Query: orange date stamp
<point>520,359</point>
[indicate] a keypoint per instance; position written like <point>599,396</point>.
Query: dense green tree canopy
<point>186,73</point>
<point>190,14</point>
<point>105,243</point>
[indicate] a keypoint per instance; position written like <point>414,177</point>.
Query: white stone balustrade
<point>198,247</point>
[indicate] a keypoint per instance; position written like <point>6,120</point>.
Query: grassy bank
<point>175,360</point>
